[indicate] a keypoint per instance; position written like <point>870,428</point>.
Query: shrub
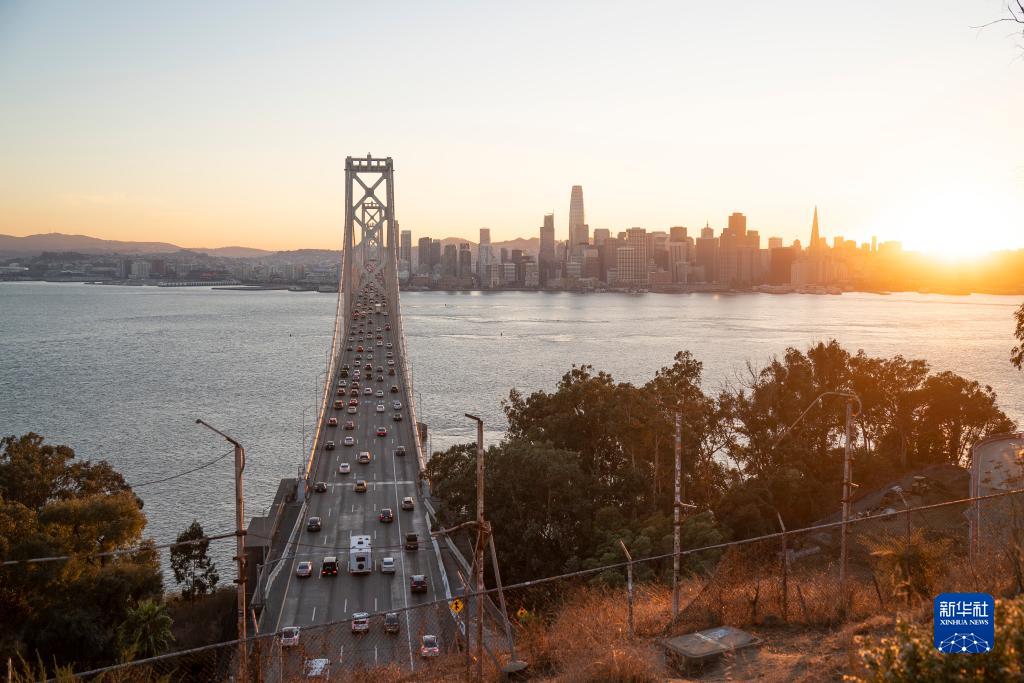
<point>909,656</point>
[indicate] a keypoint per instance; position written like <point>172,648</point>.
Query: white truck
<point>360,559</point>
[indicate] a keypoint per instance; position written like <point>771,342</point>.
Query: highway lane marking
<point>374,655</point>
<point>341,654</point>
<point>405,593</point>
<point>344,608</point>
<point>375,604</point>
<point>314,614</point>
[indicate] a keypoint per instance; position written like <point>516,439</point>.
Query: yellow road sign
<point>456,605</point>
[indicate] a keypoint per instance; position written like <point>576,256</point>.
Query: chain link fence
<point>904,545</point>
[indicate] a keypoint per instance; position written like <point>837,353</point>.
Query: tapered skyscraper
<point>578,231</point>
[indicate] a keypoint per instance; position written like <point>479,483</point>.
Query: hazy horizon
<point>228,124</point>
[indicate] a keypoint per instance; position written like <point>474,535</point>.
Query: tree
<point>192,566</point>
<point>68,612</point>
<point>1017,353</point>
<point>146,632</point>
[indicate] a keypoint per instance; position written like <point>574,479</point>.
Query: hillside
<point>33,245</point>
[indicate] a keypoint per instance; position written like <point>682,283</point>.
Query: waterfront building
<point>484,255</point>
<point>465,261</point>
<point>405,246</point>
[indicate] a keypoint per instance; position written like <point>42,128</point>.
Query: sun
<point>955,223</point>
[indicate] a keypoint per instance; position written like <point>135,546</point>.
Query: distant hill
<point>32,245</point>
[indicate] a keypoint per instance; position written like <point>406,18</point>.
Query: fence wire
<point>904,545</point>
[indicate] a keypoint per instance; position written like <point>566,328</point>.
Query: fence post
<point>629,589</point>
<point>785,571</point>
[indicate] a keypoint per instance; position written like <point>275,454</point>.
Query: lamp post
<point>239,546</point>
<point>480,533</point>
<point>851,398</point>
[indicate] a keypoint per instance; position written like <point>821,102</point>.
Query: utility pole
<point>243,676</point>
<point>629,589</point>
<point>677,517</point>
<point>847,495</point>
<point>481,532</point>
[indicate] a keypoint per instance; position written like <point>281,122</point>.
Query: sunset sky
<point>227,123</point>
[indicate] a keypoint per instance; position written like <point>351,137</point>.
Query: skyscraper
<point>578,231</point>
<point>815,238</point>
<point>546,256</point>
<point>423,256</point>
<point>405,246</point>
<point>484,256</point>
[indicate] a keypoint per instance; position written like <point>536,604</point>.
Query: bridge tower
<point>371,233</point>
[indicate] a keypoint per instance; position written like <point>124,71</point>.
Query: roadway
<point>316,601</point>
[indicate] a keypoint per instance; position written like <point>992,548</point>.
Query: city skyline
<point>910,131</point>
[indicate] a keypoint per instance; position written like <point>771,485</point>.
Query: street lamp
<point>847,475</point>
<point>239,545</point>
<point>480,533</point>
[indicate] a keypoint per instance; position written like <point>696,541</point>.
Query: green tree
<point>146,631</point>
<point>68,612</point>
<point>193,569</point>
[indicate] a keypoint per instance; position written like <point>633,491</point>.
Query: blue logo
<point>964,623</point>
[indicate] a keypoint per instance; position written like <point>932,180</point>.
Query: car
<point>341,391</point>
<point>349,441</point>
<point>338,404</point>
<point>400,451</point>
<point>379,342</point>
<point>329,567</point>
<point>332,422</point>
<point>351,338</point>
<point>382,431</point>
<point>364,458</point>
<point>360,622</point>
<point>389,355</point>
<point>368,391</point>
<point>289,636</point>
<point>412,542</point>
<point>343,373</point>
<point>353,402</point>
<point>391,361</point>
<point>391,372</point>
<point>396,404</point>
<point>408,503</point>
<point>352,410</point>
<point>350,425</point>
<point>418,583</point>
<point>304,569</point>
<point>353,391</point>
<point>360,486</point>
<point>348,348</point>
<point>397,417</point>
<point>380,407</point>
<point>317,668</point>
<point>380,393</point>
<point>329,445</point>
<point>344,468</point>
<point>380,378</point>
<point>392,624</point>
<point>357,362</point>
<point>386,515</point>
<point>320,487</point>
<point>313,524</point>
<point>388,328</point>
<point>394,388</point>
<point>359,348</point>
<point>429,646</point>
<point>387,565</point>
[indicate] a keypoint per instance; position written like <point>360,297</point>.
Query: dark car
<point>386,515</point>
<point>320,487</point>
<point>391,623</point>
<point>394,388</point>
<point>397,417</point>
<point>313,524</point>
<point>412,542</point>
<point>400,450</point>
<point>418,584</point>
